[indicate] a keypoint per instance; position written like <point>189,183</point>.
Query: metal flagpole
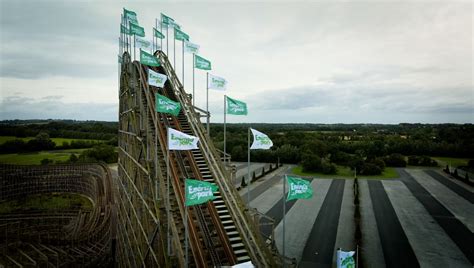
<point>168,214</point>
<point>186,235</point>
<point>225,113</point>
<point>284,213</point>
<point>161,39</point>
<point>167,43</point>
<point>207,102</point>
<point>357,256</point>
<point>194,96</point>
<point>174,50</point>
<point>248,168</point>
<point>182,46</point>
<point>134,58</point>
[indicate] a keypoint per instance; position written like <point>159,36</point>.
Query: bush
<point>100,152</point>
<point>370,169</point>
<point>311,163</point>
<point>423,160</point>
<point>395,160</point>
<point>46,161</point>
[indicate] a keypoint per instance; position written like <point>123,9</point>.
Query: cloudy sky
<point>309,62</point>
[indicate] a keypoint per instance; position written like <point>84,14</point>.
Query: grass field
<point>49,201</point>
<point>454,162</point>
<point>57,141</point>
<point>36,157</point>
<point>346,173</point>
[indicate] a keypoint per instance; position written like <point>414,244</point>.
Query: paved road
<point>458,232</point>
<point>396,248</point>
<point>319,248</point>
<point>259,189</point>
<point>463,192</point>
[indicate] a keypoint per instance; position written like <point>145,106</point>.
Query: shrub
<point>395,160</point>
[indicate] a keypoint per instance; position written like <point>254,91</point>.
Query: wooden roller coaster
<point>58,237</point>
<point>151,230</point>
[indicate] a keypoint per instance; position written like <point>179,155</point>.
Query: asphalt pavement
<point>457,231</point>
<point>319,248</point>
<point>463,192</point>
<point>396,248</point>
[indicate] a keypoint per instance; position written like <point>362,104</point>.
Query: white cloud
<point>362,61</point>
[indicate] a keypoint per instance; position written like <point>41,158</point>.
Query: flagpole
<point>194,96</point>
<point>248,168</point>
<point>161,39</point>
<point>207,102</point>
<point>134,58</point>
<point>167,43</point>
<point>186,235</point>
<point>225,113</point>
<point>154,37</point>
<point>182,46</point>
<point>284,213</point>
<point>174,50</point>
<point>168,193</point>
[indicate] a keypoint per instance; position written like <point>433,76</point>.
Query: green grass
<point>57,141</point>
<point>346,173</point>
<point>454,162</point>
<point>36,157</point>
<point>49,201</point>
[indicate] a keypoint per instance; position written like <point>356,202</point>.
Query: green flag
<point>137,30</point>
<point>165,105</point>
<point>201,63</point>
<point>180,35</point>
<point>236,107</point>
<point>299,189</point>
<point>158,34</point>
<point>130,16</point>
<point>124,29</point>
<point>166,20</point>
<point>148,59</point>
<point>198,192</point>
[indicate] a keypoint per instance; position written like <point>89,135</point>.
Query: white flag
<point>191,47</point>
<point>142,43</point>
<point>345,259</point>
<point>216,82</point>
<point>260,140</point>
<point>156,79</point>
<point>181,141</point>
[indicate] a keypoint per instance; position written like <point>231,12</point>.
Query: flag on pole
<point>124,29</point>
<point>345,259</point>
<point>165,105</point>
<point>198,192</point>
<point>168,21</point>
<point>216,82</point>
<point>181,141</point>
<point>201,63</point>
<point>299,189</point>
<point>142,43</point>
<point>236,107</point>
<point>158,34</point>
<point>156,79</point>
<point>148,59</point>
<point>180,35</point>
<point>130,16</point>
<point>260,140</point>
<point>137,30</point>
<point>191,47</point>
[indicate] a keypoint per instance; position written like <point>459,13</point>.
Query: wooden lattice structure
<point>151,231</point>
<point>58,238</point>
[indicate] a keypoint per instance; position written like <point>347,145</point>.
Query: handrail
<point>257,249</point>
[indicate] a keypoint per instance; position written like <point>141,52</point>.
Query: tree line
<point>368,149</point>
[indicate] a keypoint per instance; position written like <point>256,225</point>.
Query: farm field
<point>35,158</point>
<point>57,141</point>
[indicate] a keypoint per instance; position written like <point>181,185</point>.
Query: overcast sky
<point>308,62</point>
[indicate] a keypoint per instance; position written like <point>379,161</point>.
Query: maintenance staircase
<point>221,232</point>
